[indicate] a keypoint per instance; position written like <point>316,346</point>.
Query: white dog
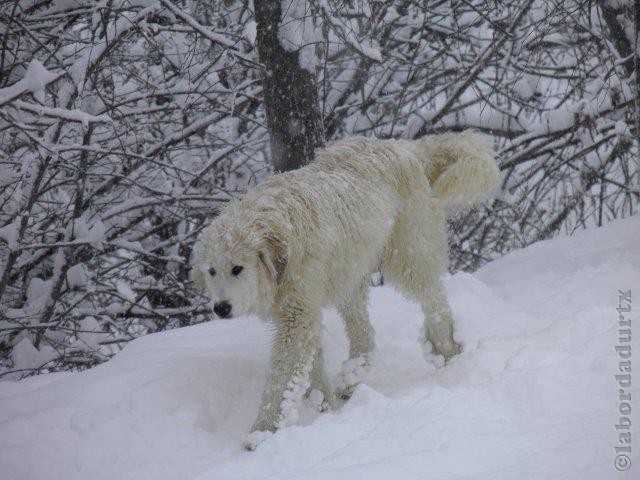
<point>308,239</point>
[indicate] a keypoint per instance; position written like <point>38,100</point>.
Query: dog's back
<point>338,212</point>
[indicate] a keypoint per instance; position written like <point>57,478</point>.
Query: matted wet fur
<point>308,239</point>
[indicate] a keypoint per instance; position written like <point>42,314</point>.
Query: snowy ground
<point>532,396</point>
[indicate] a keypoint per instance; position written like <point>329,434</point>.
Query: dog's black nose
<point>222,309</point>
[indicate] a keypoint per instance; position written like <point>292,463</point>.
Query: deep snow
<point>532,396</point>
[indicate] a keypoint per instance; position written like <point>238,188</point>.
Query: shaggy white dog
<point>310,238</point>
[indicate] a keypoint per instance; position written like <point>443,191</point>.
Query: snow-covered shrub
<point>125,123</point>
<point>123,127</point>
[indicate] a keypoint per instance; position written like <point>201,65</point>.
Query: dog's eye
<point>212,272</point>
<point>236,270</point>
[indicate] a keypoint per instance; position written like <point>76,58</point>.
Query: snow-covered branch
<point>126,124</point>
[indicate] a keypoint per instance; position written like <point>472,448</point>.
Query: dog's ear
<point>274,258</point>
<point>197,277</point>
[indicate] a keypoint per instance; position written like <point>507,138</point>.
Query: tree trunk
<point>637,65</point>
<point>626,43</point>
<point>622,43</point>
<point>290,95</point>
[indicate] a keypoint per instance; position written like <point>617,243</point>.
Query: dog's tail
<point>461,168</point>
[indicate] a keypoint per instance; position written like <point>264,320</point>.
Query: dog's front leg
<point>292,356</point>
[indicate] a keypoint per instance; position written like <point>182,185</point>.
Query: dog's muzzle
<point>222,309</point>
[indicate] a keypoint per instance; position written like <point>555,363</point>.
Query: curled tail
<point>461,168</point>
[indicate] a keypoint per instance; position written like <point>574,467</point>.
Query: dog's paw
<point>446,349</point>
<point>345,393</point>
<point>351,374</point>
<point>456,349</point>
<point>255,438</point>
<point>318,400</point>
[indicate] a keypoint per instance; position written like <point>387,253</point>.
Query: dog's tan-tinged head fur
<point>239,262</point>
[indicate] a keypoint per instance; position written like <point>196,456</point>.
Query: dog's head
<point>239,268</point>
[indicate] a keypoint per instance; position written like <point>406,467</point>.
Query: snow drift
<point>533,394</point>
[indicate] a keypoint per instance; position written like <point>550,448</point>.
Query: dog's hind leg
<point>438,325</point>
<point>360,334</point>
<point>429,292</point>
<point>414,261</point>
